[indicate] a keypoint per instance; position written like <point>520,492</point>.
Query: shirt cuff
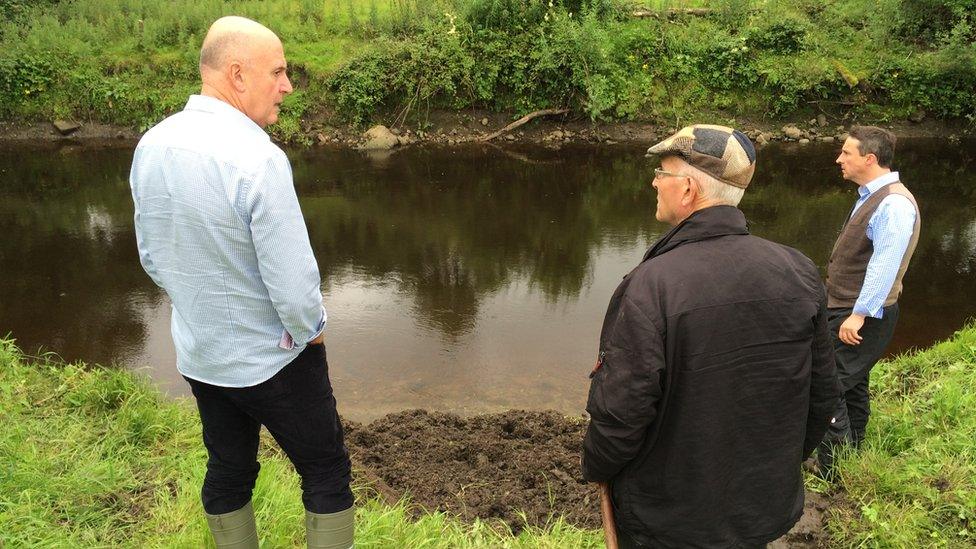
<point>288,343</point>
<point>863,311</point>
<point>321,326</point>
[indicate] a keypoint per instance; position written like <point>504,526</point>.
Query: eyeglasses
<point>659,173</point>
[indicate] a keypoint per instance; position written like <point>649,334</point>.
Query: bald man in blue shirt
<point>219,228</point>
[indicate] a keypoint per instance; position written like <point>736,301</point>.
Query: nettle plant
<point>24,77</point>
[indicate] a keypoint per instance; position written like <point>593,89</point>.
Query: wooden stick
<point>606,513</point>
<point>523,120</point>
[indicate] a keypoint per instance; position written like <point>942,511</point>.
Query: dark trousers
<point>627,541</point>
<point>854,363</point>
<point>297,407</point>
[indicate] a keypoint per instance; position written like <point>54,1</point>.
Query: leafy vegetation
<point>133,62</point>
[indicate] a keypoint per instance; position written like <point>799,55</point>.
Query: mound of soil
<point>519,467</point>
<point>489,467</point>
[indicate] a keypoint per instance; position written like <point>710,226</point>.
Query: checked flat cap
<point>724,153</point>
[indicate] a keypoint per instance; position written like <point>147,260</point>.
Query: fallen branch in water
<point>523,120</point>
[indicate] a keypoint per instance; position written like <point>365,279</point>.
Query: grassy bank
<point>914,482</point>
<point>132,62</point>
<point>92,457</point>
<point>95,458</point>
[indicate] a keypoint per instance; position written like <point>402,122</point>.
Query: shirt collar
<point>877,183</point>
<point>217,107</point>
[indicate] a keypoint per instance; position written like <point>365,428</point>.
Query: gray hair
<point>714,189</point>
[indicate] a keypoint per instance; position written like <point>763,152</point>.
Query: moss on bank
<point>94,457</point>
<point>131,62</point>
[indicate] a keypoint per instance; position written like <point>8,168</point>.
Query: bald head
<point>242,63</point>
<point>233,38</point>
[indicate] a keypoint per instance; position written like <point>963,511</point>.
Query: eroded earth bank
<point>517,467</point>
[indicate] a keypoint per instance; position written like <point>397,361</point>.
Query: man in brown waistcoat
<point>864,277</point>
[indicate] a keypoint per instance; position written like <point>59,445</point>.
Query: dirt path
<point>517,467</point>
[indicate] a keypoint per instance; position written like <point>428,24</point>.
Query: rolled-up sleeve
<point>285,259</point>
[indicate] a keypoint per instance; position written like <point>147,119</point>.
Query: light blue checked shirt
<point>890,231</point>
<point>219,228</point>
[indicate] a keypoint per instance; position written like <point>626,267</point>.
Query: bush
<point>940,82</point>
<point>926,21</point>
<point>430,69</point>
<point>24,77</point>
<point>522,15</point>
<point>13,9</point>
<point>726,63</point>
<point>781,36</point>
<point>133,62</point>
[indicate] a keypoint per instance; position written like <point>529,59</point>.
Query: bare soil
<point>518,468</point>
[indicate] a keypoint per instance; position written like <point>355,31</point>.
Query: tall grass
<point>913,483</point>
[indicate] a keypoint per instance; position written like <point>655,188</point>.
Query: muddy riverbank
<point>461,127</point>
<point>517,468</point>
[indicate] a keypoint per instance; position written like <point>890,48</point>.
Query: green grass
<point>914,481</point>
<point>132,62</point>
<point>93,457</point>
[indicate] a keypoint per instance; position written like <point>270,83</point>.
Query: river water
<point>458,279</point>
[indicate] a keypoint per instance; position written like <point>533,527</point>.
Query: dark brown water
<point>468,280</point>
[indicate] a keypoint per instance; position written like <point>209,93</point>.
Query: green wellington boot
<point>234,530</point>
<point>331,530</point>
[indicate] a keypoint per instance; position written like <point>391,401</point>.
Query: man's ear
<point>692,191</point>
<point>235,75</point>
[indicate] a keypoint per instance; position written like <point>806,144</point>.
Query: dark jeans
<point>854,363</point>
<point>297,407</point>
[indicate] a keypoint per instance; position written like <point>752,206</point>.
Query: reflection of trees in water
<point>445,296</point>
<point>449,227</point>
<point>71,276</point>
<point>456,227</point>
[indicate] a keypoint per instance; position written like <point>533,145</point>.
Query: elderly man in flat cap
<point>715,376</point>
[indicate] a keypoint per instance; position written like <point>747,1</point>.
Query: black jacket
<point>716,380</point>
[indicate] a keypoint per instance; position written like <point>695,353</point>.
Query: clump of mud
<point>500,466</point>
<point>518,467</point>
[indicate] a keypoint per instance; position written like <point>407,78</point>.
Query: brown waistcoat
<point>849,259</point>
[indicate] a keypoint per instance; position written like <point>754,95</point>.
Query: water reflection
<point>461,279</point>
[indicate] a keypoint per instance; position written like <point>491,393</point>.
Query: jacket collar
<point>701,225</point>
